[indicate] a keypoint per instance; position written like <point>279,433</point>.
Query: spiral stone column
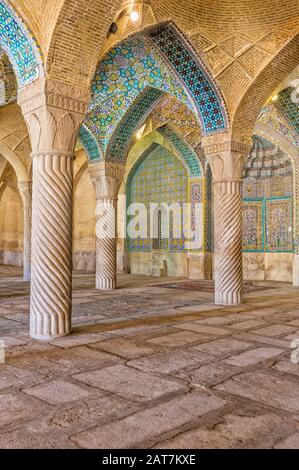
<point>53,112</point>
<point>228,242</point>
<point>25,189</point>
<point>226,159</point>
<point>106,178</point>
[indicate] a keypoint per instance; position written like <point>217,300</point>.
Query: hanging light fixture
<point>134,11</point>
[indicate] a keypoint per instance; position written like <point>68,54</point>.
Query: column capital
<point>55,94</point>
<point>107,178</point>
<point>53,111</point>
<point>226,156</point>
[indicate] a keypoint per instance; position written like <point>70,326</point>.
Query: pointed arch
<point>19,45</point>
<point>178,53</point>
<point>135,116</point>
<point>90,144</point>
<point>184,149</point>
<point>121,77</point>
<point>15,161</point>
<point>262,87</point>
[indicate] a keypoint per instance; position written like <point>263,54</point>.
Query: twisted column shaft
<point>53,111</point>
<point>51,282</point>
<point>106,178</point>
<point>106,269</point>
<point>228,242</point>
<point>226,153</point>
<point>25,188</point>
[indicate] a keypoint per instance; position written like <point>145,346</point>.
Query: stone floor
<point>148,366</point>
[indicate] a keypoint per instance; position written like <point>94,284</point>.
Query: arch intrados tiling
<point>155,142</point>
<point>207,102</point>
<point>19,44</point>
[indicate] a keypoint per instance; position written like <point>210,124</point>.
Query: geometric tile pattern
<point>252,233</point>
<point>188,154</point>
<point>19,45</point>
<point>181,118</point>
<point>289,107</point>
<point>90,144</point>
<point>278,221</point>
<point>177,52</point>
<point>270,116</point>
<point>158,176</point>
<point>266,225</point>
<point>121,76</point>
<point>267,199</point>
<point>132,120</point>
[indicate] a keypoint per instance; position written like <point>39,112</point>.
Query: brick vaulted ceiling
<point>235,39</point>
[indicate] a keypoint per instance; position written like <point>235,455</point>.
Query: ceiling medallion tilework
<point>19,45</point>
<point>141,108</point>
<point>209,103</point>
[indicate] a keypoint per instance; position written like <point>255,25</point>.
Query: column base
<point>106,284</point>
<point>41,337</point>
<point>228,298</point>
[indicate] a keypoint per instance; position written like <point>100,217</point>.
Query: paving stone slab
<point>14,408</point>
<point>240,316</point>
<point>204,329</point>
<point>265,388</point>
<point>12,341</point>
<point>130,383</point>
<point>282,343</point>
<point>169,362</point>
<point>78,340</point>
<point>207,374</point>
<point>24,439</point>
<point>291,442</point>
<point>292,336</point>
<point>130,432</point>
<point>14,376</point>
<point>253,356</point>
<point>176,339</point>
<point>223,347</point>
<point>81,358</point>
<point>275,330</point>
<point>233,432</point>
<point>58,392</point>
<point>247,325</point>
<point>92,410</point>
<point>287,366</point>
<point>215,321</point>
<point>124,348</point>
